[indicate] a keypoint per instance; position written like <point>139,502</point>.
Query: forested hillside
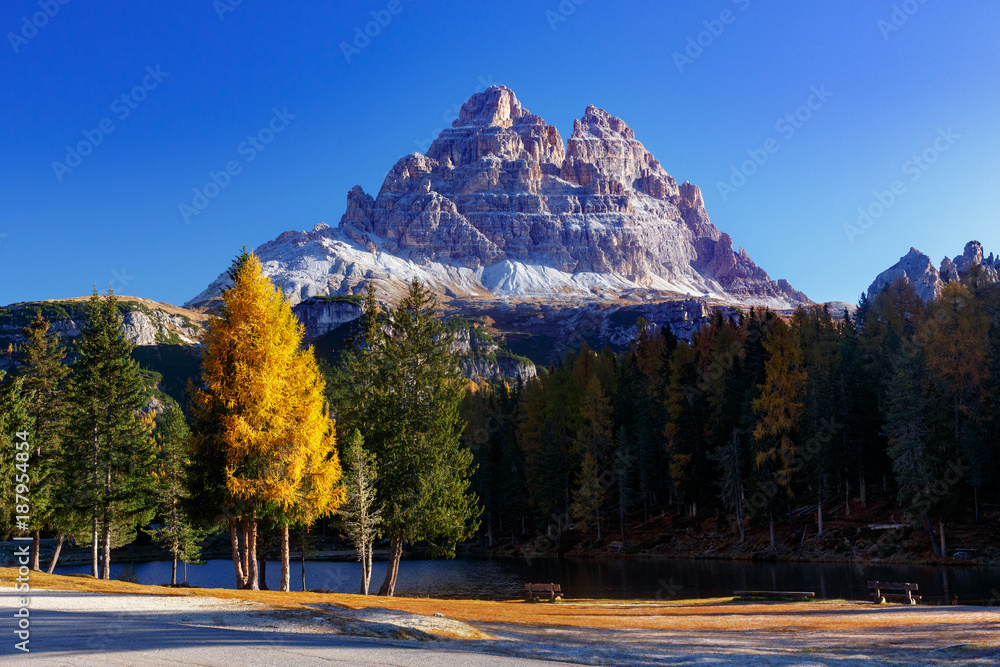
<point>754,419</point>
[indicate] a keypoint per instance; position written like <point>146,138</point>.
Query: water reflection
<point>605,578</point>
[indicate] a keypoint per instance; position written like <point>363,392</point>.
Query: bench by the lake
<point>533,591</point>
<point>881,590</point>
<point>776,595</point>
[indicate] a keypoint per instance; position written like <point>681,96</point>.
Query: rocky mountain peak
<point>496,106</point>
<point>500,206</point>
<point>927,281</point>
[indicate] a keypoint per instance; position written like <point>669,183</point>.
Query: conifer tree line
<point>255,454</point>
<point>755,417</point>
<point>96,442</point>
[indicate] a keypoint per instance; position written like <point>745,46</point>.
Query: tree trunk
<point>173,572</point>
<point>262,569</point>
<point>489,528</point>
<point>944,548</point>
<point>930,533</point>
<point>392,571</point>
<point>285,564</point>
<point>861,486</point>
<point>234,542</point>
<point>94,547</point>
<point>253,577</point>
<point>106,556</point>
<point>107,526</point>
<point>847,498</point>
<point>245,527</point>
<point>819,516</point>
<point>366,568</point>
<point>36,544</point>
<point>771,528</point>
<point>739,515</point>
<point>55,553</point>
<point>302,555</point>
<point>94,569</point>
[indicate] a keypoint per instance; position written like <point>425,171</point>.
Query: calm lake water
<point>604,578</point>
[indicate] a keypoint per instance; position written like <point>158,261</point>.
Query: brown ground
<point>643,632</point>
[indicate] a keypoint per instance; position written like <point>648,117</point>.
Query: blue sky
<point>705,85</point>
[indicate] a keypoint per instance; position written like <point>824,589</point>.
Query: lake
<point>663,579</point>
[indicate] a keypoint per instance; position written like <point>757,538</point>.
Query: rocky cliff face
<point>145,322</point>
<point>320,315</point>
<point>480,357</point>
<point>500,206</point>
<point>927,281</point>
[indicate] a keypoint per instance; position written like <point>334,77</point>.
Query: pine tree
<point>955,339</point>
<point>588,497</point>
<point>264,441</point>
<point>15,470</point>
<point>624,461</point>
<point>178,534</point>
<point>401,388</point>
<point>685,428</point>
<point>779,406</point>
<point>729,461</point>
<point>108,452</point>
<point>361,515</point>
<point>44,375</point>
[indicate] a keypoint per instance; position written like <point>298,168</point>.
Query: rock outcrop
<point>500,206</point>
<point>322,314</point>
<point>480,357</point>
<point>927,281</point>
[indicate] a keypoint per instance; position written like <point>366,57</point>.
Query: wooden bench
<point>775,595</point>
<point>880,591</point>
<point>532,591</point>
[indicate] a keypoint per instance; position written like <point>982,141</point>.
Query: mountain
<point>927,281</point>
<point>146,322</point>
<point>501,208</point>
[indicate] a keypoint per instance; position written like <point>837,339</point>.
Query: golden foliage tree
<point>264,438</point>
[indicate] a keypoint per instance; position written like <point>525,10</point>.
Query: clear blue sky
<point>115,216</point>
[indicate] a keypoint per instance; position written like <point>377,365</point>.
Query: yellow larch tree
<point>264,440</point>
